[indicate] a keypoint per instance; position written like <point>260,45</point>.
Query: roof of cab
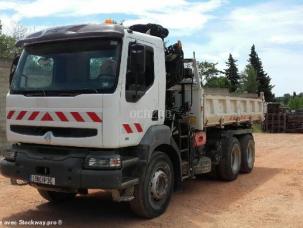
<point>73,32</point>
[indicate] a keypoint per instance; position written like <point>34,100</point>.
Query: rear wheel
<point>153,193</point>
<point>247,153</point>
<point>229,166</point>
<point>52,196</point>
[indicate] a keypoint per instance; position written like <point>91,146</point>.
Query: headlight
<point>95,162</point>
<point>10,155</point>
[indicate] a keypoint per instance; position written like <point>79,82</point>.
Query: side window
<point>37,72</point>
<point>137,85</point>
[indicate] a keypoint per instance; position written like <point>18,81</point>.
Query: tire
<point>229,166</point>
<point>247,144</point>
<point>153,193</point>
<point>55,197</point>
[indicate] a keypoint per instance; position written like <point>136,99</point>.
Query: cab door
<point>140,98</point>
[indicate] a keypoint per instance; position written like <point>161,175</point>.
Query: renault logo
<point>48,136</point>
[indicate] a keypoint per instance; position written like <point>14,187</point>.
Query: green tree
<point>218,82</point>
<point>232,73</point>
<point>7,46</point>
<point>295,102</point>
<point>7,43</point>
<point>208,70</point>
<point>263,79</point>
<point>249,80</point>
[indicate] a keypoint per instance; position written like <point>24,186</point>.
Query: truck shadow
<point>199,198</point>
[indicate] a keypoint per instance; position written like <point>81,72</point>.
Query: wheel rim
<point>235,159</point>
<point>159,185</point>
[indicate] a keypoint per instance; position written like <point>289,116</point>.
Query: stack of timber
<point>279,119</point>
<point>295,122</point>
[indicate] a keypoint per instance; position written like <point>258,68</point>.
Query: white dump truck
<point>110,107</point>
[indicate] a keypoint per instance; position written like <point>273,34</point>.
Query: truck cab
<point>81,92</point>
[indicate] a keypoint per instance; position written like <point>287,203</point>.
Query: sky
<point>211,28</point>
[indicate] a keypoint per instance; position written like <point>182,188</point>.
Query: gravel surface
<point>272,195</point>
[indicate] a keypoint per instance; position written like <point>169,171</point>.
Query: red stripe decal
<point>21,115</point>
<point>77,116</point>
<point>47,117</point>
<point>10,114</point>
<point>138,127</point>
<point>127,128</point>
<point>94,117</point>
<point>61,116</point>
<point>33,115</point>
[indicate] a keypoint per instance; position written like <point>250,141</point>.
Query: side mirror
<point>13,68</point>
<point>137,58</point>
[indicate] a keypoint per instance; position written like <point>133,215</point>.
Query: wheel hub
<point>159,185</point>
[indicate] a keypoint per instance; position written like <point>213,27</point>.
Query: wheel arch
<point>176,161</point>
<point>158,138</point>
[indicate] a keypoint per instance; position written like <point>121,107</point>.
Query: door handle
<point>155,115</point>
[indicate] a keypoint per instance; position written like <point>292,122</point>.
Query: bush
<point>218,82</point>
<point>295,103</point>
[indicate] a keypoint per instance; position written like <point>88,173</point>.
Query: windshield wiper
<point>31,93</point>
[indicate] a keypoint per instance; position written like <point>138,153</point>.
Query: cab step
<point>128,181</point>
<point>185,168</point>
<point>184,150</point>
<point>184,136</point>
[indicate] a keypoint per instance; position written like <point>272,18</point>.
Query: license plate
<point>43,179</point>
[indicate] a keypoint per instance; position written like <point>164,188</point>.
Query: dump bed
<point>221,109</point>
<point>216,106</point>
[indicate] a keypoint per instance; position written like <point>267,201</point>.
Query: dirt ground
<point>272,195</point>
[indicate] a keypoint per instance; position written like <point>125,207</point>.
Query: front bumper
<point>68,170</point>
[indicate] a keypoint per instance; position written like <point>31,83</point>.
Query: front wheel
<point>153,193</point>
<point>55,197</point>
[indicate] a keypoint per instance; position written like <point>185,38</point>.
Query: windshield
<point>87,66</point>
